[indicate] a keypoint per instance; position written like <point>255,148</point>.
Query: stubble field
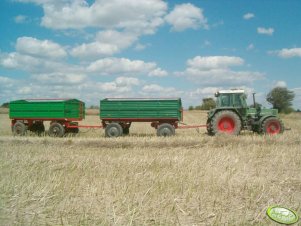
<point>140,179</point>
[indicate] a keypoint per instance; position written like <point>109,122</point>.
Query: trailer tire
<point>226,122</point>
<point>19,129</point>
<point>113,130</point>
<point>165,130</point>
<point>56,130</point>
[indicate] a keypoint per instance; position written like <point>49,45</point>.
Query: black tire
<point>113,130</point>
<point>165,130</point>
<point>272,126</point>
<point>225,122</point>
<point>19,129</point>
<point>56,130</point>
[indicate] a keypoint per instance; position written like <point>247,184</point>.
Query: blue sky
<point>151,48</point>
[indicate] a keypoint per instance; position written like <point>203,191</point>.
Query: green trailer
<point>117,114</point>
<point>31,114</point>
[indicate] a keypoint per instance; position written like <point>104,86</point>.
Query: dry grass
<point>189,179</point>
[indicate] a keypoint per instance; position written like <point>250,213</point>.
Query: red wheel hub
<point>273,127</point>
<point>226,124</point>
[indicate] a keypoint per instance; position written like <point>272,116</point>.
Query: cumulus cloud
<point>216,70</point>
<point>40,48</point>
<point>21,19</point>
<point>158,72</point>
<point>213,62</point>
<point>287,53</point>
<point>265,31</point>
<point>143,16</point>
<point>108,66</point>
<point>34,65</point>
<point>280,84</point>
<point>248,16</point>
<point>59,78</point>
<point>186,16</point>
<point>107,43</point>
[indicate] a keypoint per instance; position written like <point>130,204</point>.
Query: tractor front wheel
<point>272,126</point>
<point>225,122</point>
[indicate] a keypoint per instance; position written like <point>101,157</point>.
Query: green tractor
<point>232,115</point>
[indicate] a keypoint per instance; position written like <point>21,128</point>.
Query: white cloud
<point>212,62</point>
<point>140,47</point>
<point>21,19</point>
<point>40,48</point>
<point>59,78</point>
<point>36,65</point>
<point>186,16</point>
<point>107,43</point>
<point>248,16</point>
<point>216,70</point>
<point>265,31</point>
<point>135,15</point>
<point>280,84</point>
<point>158,72</point>
<point>155,90</point>
<point>288,53</point>
<point>127,81</point>
<point>120,66</point>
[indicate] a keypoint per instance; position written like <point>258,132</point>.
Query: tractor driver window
<point>225,101</point>
<point>237,101</point>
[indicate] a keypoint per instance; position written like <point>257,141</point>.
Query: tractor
<point>232,115</point>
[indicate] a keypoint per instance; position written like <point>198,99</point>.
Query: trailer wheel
<point>272,126</point>
<point>56,130</point>
<point>113,130</point>
<point>19,129</point>
<point>165,130</point>
<point>226,122</point>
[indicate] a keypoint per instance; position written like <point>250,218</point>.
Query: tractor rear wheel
<point>226,122</point>
<point>113,130</point>
<point>19,129</point>
<point>272,126</point>
<point>165,130</point>
<point>56,130</point>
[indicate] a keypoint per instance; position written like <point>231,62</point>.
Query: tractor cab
<point>231,98</point>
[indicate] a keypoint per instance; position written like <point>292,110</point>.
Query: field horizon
<point>142,179</point>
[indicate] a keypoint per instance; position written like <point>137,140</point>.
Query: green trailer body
<point>141,109</point>
<point>47,109</point>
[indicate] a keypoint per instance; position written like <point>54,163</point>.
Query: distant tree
<point>94,107</point>
<point>208,103</point>
<point>5,105</point>
<point>191,108</point>
<point>281,98</point>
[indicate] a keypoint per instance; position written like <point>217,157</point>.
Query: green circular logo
<point>282,215</point>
